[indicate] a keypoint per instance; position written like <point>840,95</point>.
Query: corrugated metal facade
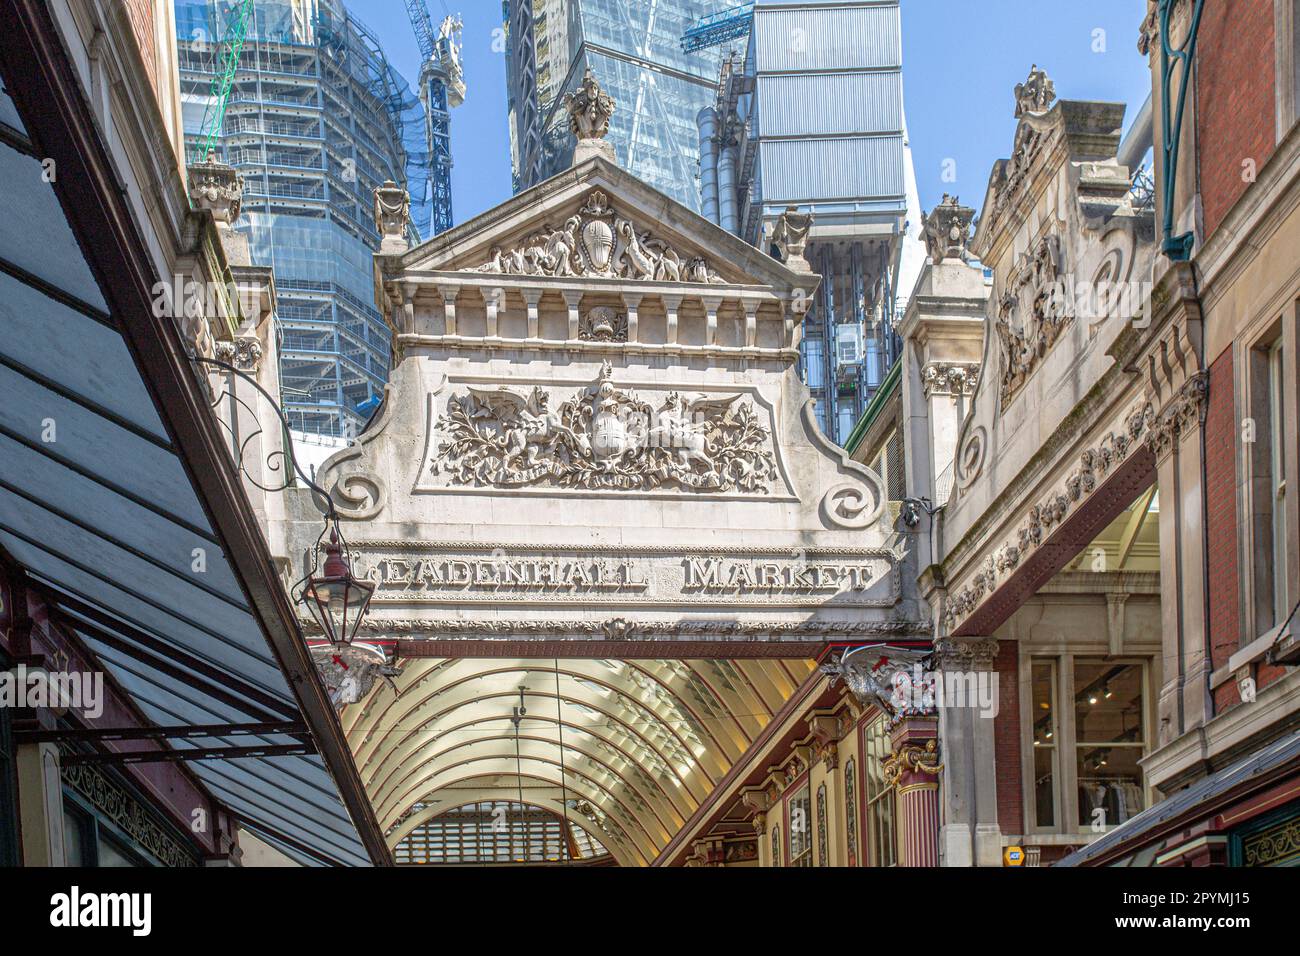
<point>813,37</point>
<point>811,170</point>
<point>829,103</point>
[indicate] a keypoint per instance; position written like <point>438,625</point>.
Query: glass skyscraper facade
<point>634,50</point>
<point>316,120</point>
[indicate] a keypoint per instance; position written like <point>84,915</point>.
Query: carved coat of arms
<point>605,438</point>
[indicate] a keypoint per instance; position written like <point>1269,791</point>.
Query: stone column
<point>970,834</point>
<point>914,771</point>
<point>1176,436</point>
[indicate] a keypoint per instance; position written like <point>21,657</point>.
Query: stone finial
<point>1036,94</point>
<point>790,236</point>
<point>218,188</point>
<point>392,217</point>
<point>590,109</point>
<point>947,230</point>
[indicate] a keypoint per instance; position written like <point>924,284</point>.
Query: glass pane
<point>800,809</point>
<point>1045,786</point>
<point>1110,784</point>
<point>74,844</point>
<point>1044,703</point>
<point>113,854</point>
<point>1107,703</point>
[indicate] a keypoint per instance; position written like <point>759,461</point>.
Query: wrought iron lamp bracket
<point>1177,248</point>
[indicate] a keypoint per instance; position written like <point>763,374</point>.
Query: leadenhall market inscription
<point>767,577</point>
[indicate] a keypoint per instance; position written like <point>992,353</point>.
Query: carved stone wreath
<point>600,244</point>
<point>605,438</point>
<point>1031,315</point>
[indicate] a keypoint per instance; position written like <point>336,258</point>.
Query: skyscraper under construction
<point>315,118</point>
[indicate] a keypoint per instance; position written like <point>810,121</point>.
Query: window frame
<point>1266,505</point>
<point>1065,790</point>
<point>872,827</point>
<point>801,788</point>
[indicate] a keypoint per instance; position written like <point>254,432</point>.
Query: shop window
<point>799,817</point>
<point>1110,739</point>
<point>1045,741</point>
<point>882,837</point>
<point>88,840</point>
<point>1085,754</point>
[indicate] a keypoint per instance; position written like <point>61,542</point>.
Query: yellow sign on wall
<point>1013,856</point>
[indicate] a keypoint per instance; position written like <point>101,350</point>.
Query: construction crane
<point>718,28</point>
<point>240,14</point>
<point>442,88</point>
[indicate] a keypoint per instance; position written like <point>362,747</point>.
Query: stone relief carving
<point>970,457</point>
<point>605,438</point>
<point>1032,314</point>
<point>950,378</point>
<point>1156,430</point>
<point>1015,171</point>
<point>1036,94</point>
<point>1184,410</point>
<point>947,230</point>
<point>598,243</point>
<point>603,324</point>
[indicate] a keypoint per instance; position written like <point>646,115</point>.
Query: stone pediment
<point>595,427</point>
<point>600,224</point>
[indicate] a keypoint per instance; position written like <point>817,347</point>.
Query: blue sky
<point>961,61</point>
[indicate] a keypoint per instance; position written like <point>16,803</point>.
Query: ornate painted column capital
<point>913,771</point>
<point>913,764</point>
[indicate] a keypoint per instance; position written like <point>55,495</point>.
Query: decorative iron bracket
<point>1177,248</point>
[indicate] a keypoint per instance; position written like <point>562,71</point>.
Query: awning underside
<point>97,506</point>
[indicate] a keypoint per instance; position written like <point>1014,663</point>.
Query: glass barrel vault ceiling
<point>627,750</point>
<point>105,520</point>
